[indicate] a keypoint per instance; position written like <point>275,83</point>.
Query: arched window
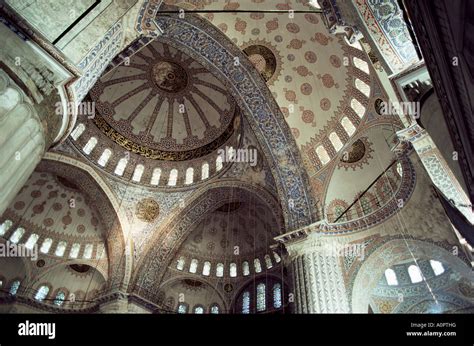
<point>5,227</point>
<point>361,64</point>
<point>233,270</point>
<point>437,267</point>
<point>31,241</point>
<point>60,249</point>
<point>88,251</point>
<point>246,302</point>
<point>14,287</point>
<point>391,277</point>
<point>42,293</point>
<point>335,141</point>
<point>193,266</point>
<point>182,308</point>
<point>189,176</point>
<point>155,177</point>
<point>90,145</point>
<point>358,108</point>
<point>219,163</point>
<point>180,264</point>
<point>121,165</point>
<point>198,309</point>
<point>322,154</point>
<point>137,174</point>
<point>245,268</point>
<point>415,274</point>
<point>74,253</point>
<point>277,296</point>
<point>399,169</point>
<point>206,269</point>
<point>104,158</point>
<point>220,270</point>
<point>173,178</point>
<point>277,257</point>
<point>261,302</point>
<point>362,86</point>
<point>16,236</point>
<point>356,44</point>
<point>268,261</point>
<point>59,299</point>
<point>214,309</point>
<point>257,265</point>
<point>205,171</point>
<point>78,131</point>
<point>348,126</point>
<point>46,245</point>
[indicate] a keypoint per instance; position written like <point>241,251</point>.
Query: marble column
<point>318,276</point>
<point>22,140</point>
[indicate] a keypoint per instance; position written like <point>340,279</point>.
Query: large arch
<point>118,240</point>
<point>211,48</point>
<point>391,253</point>
<point>158,253</point>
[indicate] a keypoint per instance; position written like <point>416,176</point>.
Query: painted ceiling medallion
<point>358,154</point>
<point>265,58</point>
<point>164,102</point>
<point>147,209</point>
<point>169,76</point>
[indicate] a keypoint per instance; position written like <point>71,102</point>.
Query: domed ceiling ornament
<point>266,59</point>
<point>357,155</point>
<point>163,105</point>
<point>147,209</point>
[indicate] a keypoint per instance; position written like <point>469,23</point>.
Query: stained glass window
<point>189,176</point>
<point>391,277</point>
<point>415,274</point>
<point>14,287</point>
<point>173,178</point>
<point>219,163</point>
<point>322,154</point>
<point>193,266</point>
<point>220,270</point>
<point>90,145</point>
<point>198,310</point>
<point>16,236</point>
<point>155,178</point>
<point>261,302</point>
<point>31,241</point>
<point>277,296</point>
<point>233,270</point>
<point>137,174</point>
<point>46,245</point>
<point>336,141</point>
<point>348,126</point>
<point>437,267</point>
<point>121,165</point>
<point>182,308</point>
<point>362,86</point>
<point>42,293</point>
<point>60,249</point>
<point>268,261</point>
<point>104,158</point>
<point>206,269</point>
<point>361,64</point>
<point>215,309</point>
<point>78,131</point>
<point>59,299</point>
<point>74,253</point>
<point>205,171</point>
<point>180,264</point>
<point>5,227</point>
<point>246,302</point>
<point>245,268</point>
<point>257,265</point>
<point>358,107</point>
<point>277,257</point>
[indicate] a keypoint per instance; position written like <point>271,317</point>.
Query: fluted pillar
<point>22,140</point>
<point>318,276</point>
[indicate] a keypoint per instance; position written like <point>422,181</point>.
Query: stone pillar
<point>22,140</point>
<point>437,167</point>
<point>318,277</point>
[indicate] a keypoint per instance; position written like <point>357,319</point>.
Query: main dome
<point>162,101</point>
